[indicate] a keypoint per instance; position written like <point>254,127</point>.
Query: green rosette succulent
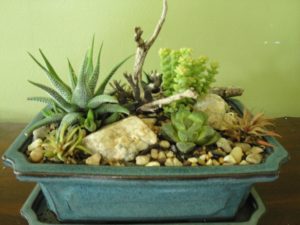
<point>82,102</point>
<point>189,129</point>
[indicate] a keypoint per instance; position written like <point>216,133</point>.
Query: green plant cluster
<point>189,129</point>
<point>82,102</point>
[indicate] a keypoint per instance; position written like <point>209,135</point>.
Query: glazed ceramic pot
<point>108,193</point>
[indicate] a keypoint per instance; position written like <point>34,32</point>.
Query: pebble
<point>173,162</point>
<point>244,162</point>
<point>209,162</point>
<point>41,132</point>
<point>224,144</point>
<point>170,154</point>
<point>35,144</point>
<point>203,157</point>
<point>142,160</point>
<point>201,162</point>
<point>154,153</point>
<point>221,160</point>
<point>237,154</point>
<point>215,162</point>
<point>153,163</point>
<point>177,162</point>
<point>245,146</point>
<point>93,160</point>
<point>36,155</point>
<point>256,150</point>
<point>219,152</point>
<point>193,160</point>
<point>229,160</point>
<point>161,157</point>
<point>254,158</point>
<point>164,144</point>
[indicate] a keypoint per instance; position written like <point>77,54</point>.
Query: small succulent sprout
<point>189,129</point>
<point>63,145</point>
<point>82,102</point>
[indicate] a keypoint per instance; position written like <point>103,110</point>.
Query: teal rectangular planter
<point>107,193</point>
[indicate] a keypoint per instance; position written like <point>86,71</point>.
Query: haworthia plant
<point>81,102</point>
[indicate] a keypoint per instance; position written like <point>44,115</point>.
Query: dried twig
<point>152,106</point>
<point>227,92</point>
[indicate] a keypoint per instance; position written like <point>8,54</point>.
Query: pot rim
<point>15,158</point>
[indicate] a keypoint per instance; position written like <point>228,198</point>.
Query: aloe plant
<point>82,102</point>
<point>189,129</point>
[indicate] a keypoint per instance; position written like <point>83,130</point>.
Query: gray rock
<point>224,144</point>
<point>122,140</point>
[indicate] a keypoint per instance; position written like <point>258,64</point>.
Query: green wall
<point>255,41</point>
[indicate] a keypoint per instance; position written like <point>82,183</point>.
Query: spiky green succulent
<point>189,129</point>
<point>82,102</point>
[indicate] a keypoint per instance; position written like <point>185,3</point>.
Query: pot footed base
<point>36,212</point>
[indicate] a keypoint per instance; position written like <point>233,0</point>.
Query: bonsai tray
<point>36,211</point>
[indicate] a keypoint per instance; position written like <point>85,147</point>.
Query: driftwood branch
<point>227,92</point>
<point>152,106</point>
<point>142,51</point>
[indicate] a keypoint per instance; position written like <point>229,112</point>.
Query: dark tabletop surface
<point>282,197</point>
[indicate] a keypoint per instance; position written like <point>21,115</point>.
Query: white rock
<point>121,140</point>
<point>142,160</point>
<point>229,160</point>
<point>224,144</point>
<point>254,158</point>
<point>153,163</point>
<point>36,155</point>
<point>41,132</point>
<point>93,160</point>
<point>35,144</point>
<point>237,154</point>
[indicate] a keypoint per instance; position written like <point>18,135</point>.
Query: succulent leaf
<point>100,99</point>
<point>56,97</point>
<point>48,101</point>
<point>94,78</point>
<point>72,75</point>
<point>185,147</point>
<point>89,122</point>
<point>111,108</point>
<point>109,76</point>
<point>112,118</point>
<point>90,66</point>
<point>45,121</point>
<point>68,120</point>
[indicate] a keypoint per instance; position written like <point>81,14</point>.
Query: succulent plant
<point>81,103</point>
<point>182,72</point>
<point>250,128</point>
<point>63,146</point>
<point>189,129</point>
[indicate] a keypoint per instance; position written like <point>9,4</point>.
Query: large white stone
<point>122,140</point>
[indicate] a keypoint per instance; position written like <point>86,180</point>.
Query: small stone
<point>209,155</point>
<point>161,157</point>
<point>203,157</point>
<point>193,160</point>
<point>93,160</point>
<point>170,154</point>
<point>142,160</point>
<point>164,144</point>
<point>35,144</point>
<point>215,162</point>
<point>254,158</point>
<point>244,162</point>
<point>256,150</point>
<point>154,153</point>
<point>177,162</point>
<point>209,162</point>
<point>245,146</point>
<point>219,152</point>
<point>224,144</point>
<point>237,154</point>
<point>36,155</point>
<point>153,163</point>
<point>169,162</point>
<point>41,132</point>
<point>201,162</point>
<point>194,164</point>
<point>229,160</point>
<point>149,121</point>
<point>221,160</point>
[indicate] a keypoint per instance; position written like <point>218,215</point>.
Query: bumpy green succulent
<point>62,146</point>
<point>189,129</point>
<point>81,103</point>
<point>182,72</point>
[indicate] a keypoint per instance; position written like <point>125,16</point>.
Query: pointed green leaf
<point>53,119</point>
<point>68,120</point>
<point>112,72</point>
<point>100,99</point>
<point>94,78</point>
<point>45,100</point>
<point>90,66</point>
<point>56,97</point>
<point>111,108</point>
<point>89,122</point>
<point>169,132</point>
<point>185,147</point>
<point>72,75</point>
<point>112,118</point>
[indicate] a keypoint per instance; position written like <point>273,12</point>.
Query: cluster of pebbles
<point>226,153</point>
